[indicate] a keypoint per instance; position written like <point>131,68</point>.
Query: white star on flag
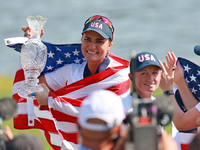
<point>186,68</point>
<point>77,60</point>
<point>187,80</point>
<point>67,55</point>
<point>76,52</point>
<point>49,67</point>
<point>58,49</point>
<point>50,54</point>
<point>59,61</point>
<point>193,78</point>
<point>198,73</point>
<point>193,90</point>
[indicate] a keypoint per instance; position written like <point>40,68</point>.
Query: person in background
<point>65,88</point>
<point>100,122</point>
<point>22,141</point>
<point>182,120</point>
<point>145,74</point>
<point>188,120</point>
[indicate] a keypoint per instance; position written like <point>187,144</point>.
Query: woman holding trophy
<point>65,88</point>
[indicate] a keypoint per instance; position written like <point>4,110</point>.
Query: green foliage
<point>6,86</point>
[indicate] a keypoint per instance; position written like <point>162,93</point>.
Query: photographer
<point>100,122</point>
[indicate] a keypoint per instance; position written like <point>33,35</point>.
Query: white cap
<point>104,105</point>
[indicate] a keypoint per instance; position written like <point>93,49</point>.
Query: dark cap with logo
<point>144,59</point>
<point>101,25</point>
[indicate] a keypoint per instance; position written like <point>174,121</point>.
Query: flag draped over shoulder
<point>57,121</point>
<point>57,55</point>
<point>192,77</point>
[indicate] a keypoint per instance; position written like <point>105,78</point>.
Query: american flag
<point>57,55</point>
<point>192,77</point>
<point>57,122</point>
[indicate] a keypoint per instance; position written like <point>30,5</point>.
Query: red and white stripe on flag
<point>185,139</point>
<point>57,122</point>
<point>182,139</point>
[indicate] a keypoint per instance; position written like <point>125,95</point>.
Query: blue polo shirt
<point>101,67</point>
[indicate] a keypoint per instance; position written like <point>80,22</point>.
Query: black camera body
<point>146,121</point>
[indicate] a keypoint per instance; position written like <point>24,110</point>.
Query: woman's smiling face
<point>94,47</point>
<point>147,80</point>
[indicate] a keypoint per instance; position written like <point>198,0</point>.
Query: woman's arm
<point>187,97</point>
<point>188,120</point>
<point>182,121</point>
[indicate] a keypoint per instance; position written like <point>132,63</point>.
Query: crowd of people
<point>97,93</point>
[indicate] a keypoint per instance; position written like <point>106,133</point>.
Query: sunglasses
<point>103,19</point>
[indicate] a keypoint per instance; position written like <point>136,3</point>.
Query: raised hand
<point>167,77</point>
<point>27,32</point>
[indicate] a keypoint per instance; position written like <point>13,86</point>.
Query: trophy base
<point>26,89</point>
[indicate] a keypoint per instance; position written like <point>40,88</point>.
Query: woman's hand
<point>27,32</point>
<point>167,77</point>
<point>171,60</point>
<point>168,72</point>
<point>42,97</point>
<point>179,74</point>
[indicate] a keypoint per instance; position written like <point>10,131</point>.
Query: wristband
<point>169,92</point>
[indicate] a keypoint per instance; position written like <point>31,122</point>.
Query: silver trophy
<point>33,57</point>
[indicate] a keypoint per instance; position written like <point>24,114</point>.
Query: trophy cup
<point>33,57</point>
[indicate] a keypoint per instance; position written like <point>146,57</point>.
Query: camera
<point>147,120</point>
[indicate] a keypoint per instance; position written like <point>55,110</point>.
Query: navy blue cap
<point>100,27</point>
<point>144,59</point>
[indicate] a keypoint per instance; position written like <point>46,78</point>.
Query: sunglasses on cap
<point>103,19</point>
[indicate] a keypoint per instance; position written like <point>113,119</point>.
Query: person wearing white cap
<point>101,127</point>
<point>100,121</point>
